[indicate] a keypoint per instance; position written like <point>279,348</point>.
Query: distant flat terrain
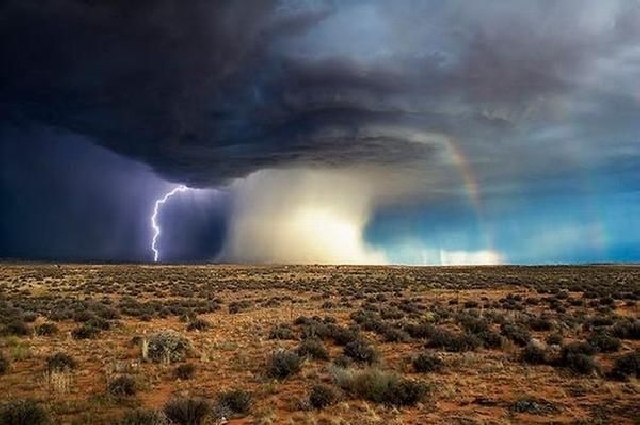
<point>323,344</point>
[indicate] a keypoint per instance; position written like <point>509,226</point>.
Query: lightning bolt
<point>154,217</point>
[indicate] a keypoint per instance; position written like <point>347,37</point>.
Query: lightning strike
<point>154,216</point>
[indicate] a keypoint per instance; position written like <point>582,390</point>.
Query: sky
<point>349,132</point>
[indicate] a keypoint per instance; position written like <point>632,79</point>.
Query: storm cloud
<point>528,94</point>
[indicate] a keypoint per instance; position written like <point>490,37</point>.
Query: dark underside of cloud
<point>206,91</point>
<point>407,101</point>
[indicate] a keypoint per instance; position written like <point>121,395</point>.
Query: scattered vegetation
<point>60,362</point>
<point>425,362</point>
<point>237,401</point>
<point>282,364</point>
<point>187,411</point>
<point>322,396</point>
<point>144,417</point>
<point>377,332</point>
<point>168,347</point>
<point>380,386</point>
<point>185,371</point>
<point>23,412</point>
<point>312,348</point>
<point>4,364</point>
<point>123,386</point>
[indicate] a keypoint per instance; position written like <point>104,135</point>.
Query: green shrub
<point>60,362</point>
<point>604,342</point>
<point>577,358</point>
<point>185,371</point>
<point>283,364</point>
<point>450,341</point>
<point>237,401</point>
<point>627,366</point>
<point>46,329</point>
<point>322,396</point>
<point>490,339</point>
<point>123,386</point>
<point>282,331</point>
<point>85,331</point>
<point>23,412</point>
<point>474,325</point>
<point>343,361</point>
<point>420,330</point>
<point>170,347</point>
<point>144,417</point>
<point>540,324</point>
<point>4,364</point>
<point>187,411</point>
<point>515,333</point>
<point>342,336</point>
<point>555,339</point>
<point>314,348</point>
<point>361,352</point>
<point>426,362</point>
<point>384,387</point>
<point>626,329</point>
<point>17,327</point>
<point>198,325</point>
<point>534,355</point>
<point>391,334</point>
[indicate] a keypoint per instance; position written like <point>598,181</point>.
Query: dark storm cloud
<point>206,91</point>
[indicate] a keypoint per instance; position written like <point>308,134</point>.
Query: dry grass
<point>244,304</point>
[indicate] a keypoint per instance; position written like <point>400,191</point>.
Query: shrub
<point>420,330</point>
<point>515,333</point>
<point>123,386</point>
<point>577,358</point>
<point>239,306</point>
<point>580,363</point>
<point>170,347</point>
<point>46,329</point>
<point>198,325</point>
<point>185,371</point>
<point>283,364</point>
<point>237,401</point>
<point>60,362</point>
<point>4,364</point>
<point>384,387</point>
<point>322,396</point>
<point>98,323</point>
<point>540,324</point>
<point>313,347</point>
<point>187,411</point>
<point>426,362</point>
<point>17,327</point>
<point>604,342</point>
<point>361,352</point>
<point>343,361</point>
<point>85,332</point>
<point>627,366</point>
<point>144,417</point>
<point>533,407</point>
<point>282,331</point>
<point>342,336</point>
<point>391,334</point>
<point>450,341</point>
<point>23,412</point>
<point>578,347</point>
<point>490,339</point>
<point>534,355</point>
<point>315,329</point>
<point>474,325</point>
<point>555,339</point>
<point>626,329</point>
